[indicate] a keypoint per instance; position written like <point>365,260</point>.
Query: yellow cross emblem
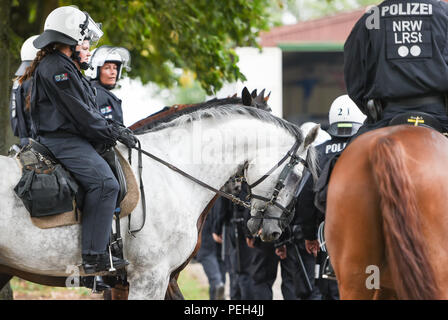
<point>416,121</point>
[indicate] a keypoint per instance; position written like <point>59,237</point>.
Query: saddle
<point>37,160</point>
<point>418,119</point>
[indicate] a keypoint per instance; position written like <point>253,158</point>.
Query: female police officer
<point>65,119</point>
<point>106,67</point>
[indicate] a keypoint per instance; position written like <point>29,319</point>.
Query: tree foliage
<point>195,35</point>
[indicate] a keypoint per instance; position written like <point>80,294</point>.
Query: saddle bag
<point>45,187</point>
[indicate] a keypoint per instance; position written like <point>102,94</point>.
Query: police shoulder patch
<point>61,80</point>
<point>61,77</point>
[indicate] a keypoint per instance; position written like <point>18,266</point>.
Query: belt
<point>414,102</point>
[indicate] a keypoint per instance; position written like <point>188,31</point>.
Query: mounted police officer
<point>396,61</point>
<point>107,64</point>
<point>20,118</point>
<point>66,120</point>
<point>345,119</point>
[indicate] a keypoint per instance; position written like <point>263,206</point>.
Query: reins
<point>272,201</point>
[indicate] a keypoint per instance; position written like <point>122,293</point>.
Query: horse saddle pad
<point>418,119</point>
<point>74,216</point>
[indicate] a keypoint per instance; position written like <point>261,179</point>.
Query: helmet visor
<point>344,129</point>
<point>113,54</point>
<point>94,32</point>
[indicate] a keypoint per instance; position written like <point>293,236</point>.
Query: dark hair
<point>52,47</point>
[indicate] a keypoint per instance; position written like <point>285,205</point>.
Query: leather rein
<point>269,202</point>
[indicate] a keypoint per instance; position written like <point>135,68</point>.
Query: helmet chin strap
<point>75,56</point>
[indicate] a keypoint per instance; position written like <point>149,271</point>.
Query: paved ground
<point>196,269</point>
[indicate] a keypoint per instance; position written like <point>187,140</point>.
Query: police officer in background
<point>66,120</point>
<point>345,120</point>
<point>20,118</point>
<point>234,218</point>
<point>396,61</point>
<point>107,64</point>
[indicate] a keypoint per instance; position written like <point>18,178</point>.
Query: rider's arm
<point>66,92</point>
<point>355,64</point>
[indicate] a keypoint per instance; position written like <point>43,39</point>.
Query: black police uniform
<point>19,116</point>
<point>403,64</point>
<point>66,120</point>
<point>108,103</point>
<point>234,217</point>
<point>209,255</point>
<point>309,217</point>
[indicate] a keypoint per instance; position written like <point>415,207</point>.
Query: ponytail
<point>30,70</point>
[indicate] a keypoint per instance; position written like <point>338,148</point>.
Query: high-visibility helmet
<point>103,54</point>
<point>68,25</point>
<point>345,118</point>
<point>27,55</point>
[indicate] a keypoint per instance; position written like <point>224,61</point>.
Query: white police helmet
<point>345,118</point>
<point>68,25</point>
<point>27,55</point>
<point>321,137</point>
<point>103,54</point>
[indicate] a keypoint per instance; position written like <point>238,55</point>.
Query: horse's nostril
<point>275,235</point>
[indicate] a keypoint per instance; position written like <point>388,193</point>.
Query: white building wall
<point>263,70</point>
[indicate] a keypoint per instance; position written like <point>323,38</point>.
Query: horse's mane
<point>217,108</point>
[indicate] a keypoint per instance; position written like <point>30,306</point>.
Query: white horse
<point>209,143</point>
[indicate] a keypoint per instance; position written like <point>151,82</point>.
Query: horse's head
<point>273,193</point>
<point>254,100</point>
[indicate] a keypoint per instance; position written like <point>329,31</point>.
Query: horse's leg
<point>173,292</point>
<point>353,228</point>
<point>4,279</point>
<point>385,294</point>
<point>120,292</point>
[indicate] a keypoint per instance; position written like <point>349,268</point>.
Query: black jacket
<point>307,215</point>
<point>407,56</point>
<point>63,101</point>
<point>108,104</point>
<point>19,116</point>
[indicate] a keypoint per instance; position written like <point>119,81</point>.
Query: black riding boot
<point>95,282</point>
<point>101,262</point>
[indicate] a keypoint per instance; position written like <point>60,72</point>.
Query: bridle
<point>288,211</point>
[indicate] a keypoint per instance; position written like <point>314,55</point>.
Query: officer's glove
<point>126,137</point>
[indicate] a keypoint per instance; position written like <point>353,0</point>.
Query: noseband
<point>288,212</point>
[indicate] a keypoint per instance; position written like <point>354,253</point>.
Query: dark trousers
<point>240,264</point>
<point>309,262</point>
<point>264,272</point>
<point>99,184</point>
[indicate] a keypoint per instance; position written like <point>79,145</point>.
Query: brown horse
<point>387,207</point>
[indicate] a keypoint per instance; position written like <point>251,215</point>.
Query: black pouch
<point>47,193</point>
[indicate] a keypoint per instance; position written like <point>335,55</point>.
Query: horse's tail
<point>412,275</point>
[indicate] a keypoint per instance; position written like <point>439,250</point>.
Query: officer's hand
<point>312,247</point>
<point>250,242</point>
<point>127,137</point>
<point>281,252</point>
<point>217,237</point>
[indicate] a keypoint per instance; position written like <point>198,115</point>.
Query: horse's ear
<point>234,96</point>
<point>311,136</point>
<point>247,98</point>
<point>254,93</point>
<point>260,97</point>
<point>267,97</point>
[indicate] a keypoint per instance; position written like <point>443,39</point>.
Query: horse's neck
<point>212,150</point>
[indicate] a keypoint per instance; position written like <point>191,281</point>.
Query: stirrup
<point>327,270</point>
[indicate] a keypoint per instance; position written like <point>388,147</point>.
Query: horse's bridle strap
<point>290,153</point>
<point>229,196</point>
